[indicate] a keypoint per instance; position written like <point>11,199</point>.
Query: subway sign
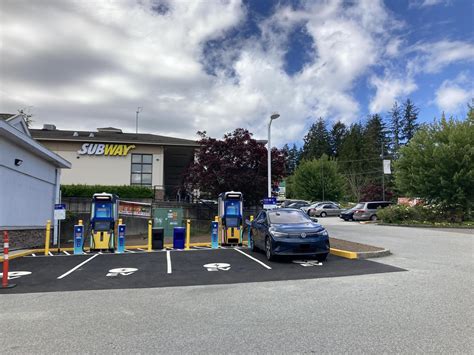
<point>105,149</point>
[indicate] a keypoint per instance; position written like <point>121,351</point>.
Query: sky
<point>216,66</point>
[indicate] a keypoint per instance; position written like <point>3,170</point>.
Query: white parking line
<point>141,249</point>
<point>130,251</point>
<point>33,254</point>
<point>251,257</point>
<point>168,261</point>
<point>65,252</point>
<point>50,254</point>
<point>77,267</point>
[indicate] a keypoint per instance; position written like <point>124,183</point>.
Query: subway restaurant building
<point>108,156</point>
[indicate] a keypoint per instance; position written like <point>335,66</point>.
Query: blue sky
<point>219,65</point>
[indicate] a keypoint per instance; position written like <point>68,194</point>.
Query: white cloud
<point>427,3</point>
<point>453,95</point>
<point>389,89</point>
<point>433,57</point>
<point>85,64</point>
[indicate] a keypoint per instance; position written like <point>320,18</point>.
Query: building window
<point>141,169</point>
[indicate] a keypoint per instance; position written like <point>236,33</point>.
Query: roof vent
<point>49,127</point>
<point>91,135</point>
<point>75,134</point>
<point>109,129</point>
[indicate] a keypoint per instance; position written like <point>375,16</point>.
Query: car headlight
<point>276,234</point>
<point>323,233</point>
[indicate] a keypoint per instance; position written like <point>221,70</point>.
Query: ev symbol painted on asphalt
<point>307,263</point>
<point>217,267</point>
<point>16,274</point>
<point>124,271</point>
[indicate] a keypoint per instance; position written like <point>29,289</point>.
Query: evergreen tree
<point>351,162</point>
<point>375,143</point>
<point>316,141</point>
<point>396,127</point>
<point>293,156</point>
<point>410,116</point>
<point>336,137</point>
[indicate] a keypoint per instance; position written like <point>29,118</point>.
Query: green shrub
<point>123,191</point>
<point>418,214</point>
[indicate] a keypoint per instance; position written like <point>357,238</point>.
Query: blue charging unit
<point>215,235</point>
<point>78,239</point>
<point>121,238</point>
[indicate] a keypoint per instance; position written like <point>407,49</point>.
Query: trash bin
<point>178,237</point>
<point>157,238</point>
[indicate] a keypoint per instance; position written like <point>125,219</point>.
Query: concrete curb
<point>373,254</point>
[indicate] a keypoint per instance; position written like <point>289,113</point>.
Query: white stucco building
<point>29,183</point>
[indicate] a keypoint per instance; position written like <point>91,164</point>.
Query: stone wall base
<point>26,238</point>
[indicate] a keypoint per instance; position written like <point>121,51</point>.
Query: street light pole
<point>139,109</point>
<point>269,154</point>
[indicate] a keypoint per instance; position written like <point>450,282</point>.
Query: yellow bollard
<point>48,237</point>
<point>80,222</point>
<point>188,234</point>
<point>120,221</point>
<point>149,234</point>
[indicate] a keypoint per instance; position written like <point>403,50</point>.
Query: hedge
<point>123,191</point>
<point>420,214</point>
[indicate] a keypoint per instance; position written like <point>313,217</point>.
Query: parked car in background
<point>326,209</point>
<point>313,205</point>
<point>286,203</point>
<point>299,204</point>
<point>366,211</point>
<point>348,214</point>
<point>289,232</point>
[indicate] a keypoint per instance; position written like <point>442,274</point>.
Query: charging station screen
<point>232,210</point>
<point>103,210</point>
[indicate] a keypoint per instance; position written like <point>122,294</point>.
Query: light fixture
<point>18,162</point>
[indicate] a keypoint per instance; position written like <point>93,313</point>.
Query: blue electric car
<point>289,232</point>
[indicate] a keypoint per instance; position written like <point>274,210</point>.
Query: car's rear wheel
<point>321,257</point>
<point>269,250</point>
<point>373,217</point>
<point>323,214</point>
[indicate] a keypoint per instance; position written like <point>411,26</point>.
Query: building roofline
<point>32,145</point>
<point>112,137</point>
<point>106,140</point>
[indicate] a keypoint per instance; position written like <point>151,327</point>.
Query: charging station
<point>104,214</point>
<point>230,216</point>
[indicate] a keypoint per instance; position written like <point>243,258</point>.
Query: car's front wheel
<point>373,217</point>
<point>269,250</point>
<point>323,214</point>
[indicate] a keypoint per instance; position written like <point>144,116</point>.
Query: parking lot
<point>167,268</point>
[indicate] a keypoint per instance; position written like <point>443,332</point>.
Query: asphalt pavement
<point>427,309</point>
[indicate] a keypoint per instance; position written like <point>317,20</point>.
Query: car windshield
<point>359,205</point>
<point>288,217</point>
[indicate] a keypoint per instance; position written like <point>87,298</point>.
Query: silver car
<point>365,211</point>
<point>327,209</point>
<point>314,205</point>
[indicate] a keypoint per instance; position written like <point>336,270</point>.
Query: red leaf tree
<point>238,163</point>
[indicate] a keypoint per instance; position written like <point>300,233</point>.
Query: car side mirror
<point>314,219</point>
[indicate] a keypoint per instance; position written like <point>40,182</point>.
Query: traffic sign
<point>59,211</point>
